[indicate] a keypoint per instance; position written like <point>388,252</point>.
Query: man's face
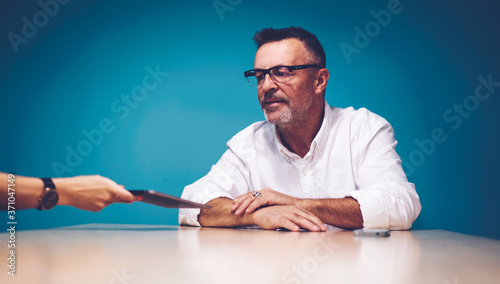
<point>288,103</point>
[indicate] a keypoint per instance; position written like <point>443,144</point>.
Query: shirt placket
<point>306,173</point>
<point>304,169</point>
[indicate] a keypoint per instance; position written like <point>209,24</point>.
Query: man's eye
<point>282,72</point>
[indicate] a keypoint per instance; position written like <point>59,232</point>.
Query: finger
<point>312,221</point>
<point>136,198</point>
<point>302,222</point>
<point>243,206</point>
<point>118,193</point>
<point>239,200</point>
<point>256,203</point>
<point>289,225</point>
<point>123,195</point>
<point>306,224</point>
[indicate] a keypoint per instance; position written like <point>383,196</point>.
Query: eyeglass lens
<point>279,74</point>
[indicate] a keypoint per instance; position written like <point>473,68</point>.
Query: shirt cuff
<point>375,214</point>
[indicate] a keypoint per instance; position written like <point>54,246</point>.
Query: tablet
<point>165,200</point>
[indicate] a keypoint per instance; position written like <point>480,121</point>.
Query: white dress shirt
<point>353,155</point>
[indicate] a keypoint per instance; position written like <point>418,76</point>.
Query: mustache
<point>275,96</point>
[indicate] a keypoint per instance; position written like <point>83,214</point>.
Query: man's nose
<point>268,83</point>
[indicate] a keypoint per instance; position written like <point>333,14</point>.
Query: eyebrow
<point>281,64</point>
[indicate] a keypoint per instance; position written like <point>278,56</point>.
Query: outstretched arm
<point>91,193</point>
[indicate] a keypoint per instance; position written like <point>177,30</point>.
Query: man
<point>310,164</point>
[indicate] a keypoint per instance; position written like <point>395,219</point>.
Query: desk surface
<point>109,253</point>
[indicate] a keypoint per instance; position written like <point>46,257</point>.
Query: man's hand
<point>290,217</point>
<point>247,203</point>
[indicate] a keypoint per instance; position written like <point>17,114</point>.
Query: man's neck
<point>298,138</point>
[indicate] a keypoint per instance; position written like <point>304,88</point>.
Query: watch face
<point>50,199</point>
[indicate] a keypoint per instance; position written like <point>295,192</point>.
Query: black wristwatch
<point>49,197</point>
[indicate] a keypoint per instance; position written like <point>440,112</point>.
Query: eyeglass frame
<point>268,71</point>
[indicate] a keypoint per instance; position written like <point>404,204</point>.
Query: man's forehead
<point>284,52</point>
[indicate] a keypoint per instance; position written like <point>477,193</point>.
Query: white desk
<point>107,253</point>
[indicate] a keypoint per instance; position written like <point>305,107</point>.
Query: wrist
<point>49,197</point>
<point>251,218</point>
<point>301,203</point>
<point>62,185</point>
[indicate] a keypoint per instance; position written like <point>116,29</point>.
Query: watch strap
<point>48,182</point>
<point>48,188</point>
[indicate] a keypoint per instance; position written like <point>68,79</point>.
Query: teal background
<point>65,79</point>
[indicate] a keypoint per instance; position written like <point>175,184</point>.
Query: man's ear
<point>321,80</point>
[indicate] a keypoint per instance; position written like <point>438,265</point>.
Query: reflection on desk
<point>109,253</point>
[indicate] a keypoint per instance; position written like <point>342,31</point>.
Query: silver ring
<point>256,194</point>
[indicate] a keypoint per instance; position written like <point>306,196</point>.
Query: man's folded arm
<point>343,213</point>
<point>291,217</point>
<point>220,215</point>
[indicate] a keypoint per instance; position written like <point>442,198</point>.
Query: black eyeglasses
<point>280,74</point>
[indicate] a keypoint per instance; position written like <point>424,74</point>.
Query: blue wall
<point>67,74</point>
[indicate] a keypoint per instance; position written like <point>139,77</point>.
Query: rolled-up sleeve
<point>386,198</point>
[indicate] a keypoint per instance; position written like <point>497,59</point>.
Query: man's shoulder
<point>261,130</point>
<point>357,117</point>
<point>359,125</point>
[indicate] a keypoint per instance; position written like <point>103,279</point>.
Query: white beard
<point>284,118</point>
